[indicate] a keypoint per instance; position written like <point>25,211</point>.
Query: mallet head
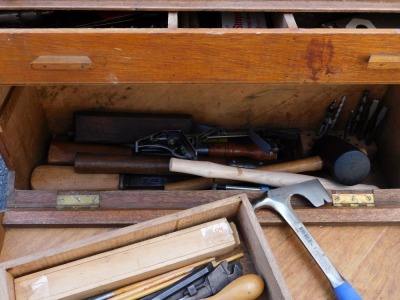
<point>343,161</point>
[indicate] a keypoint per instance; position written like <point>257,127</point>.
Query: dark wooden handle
<point>121,164</point>
<point>63,153</point>
<point>235,150</point>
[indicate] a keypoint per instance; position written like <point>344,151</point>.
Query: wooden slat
<point>126,55</point>
<point>169,199</point>
<point>227,5</point>
<point>122,217</point>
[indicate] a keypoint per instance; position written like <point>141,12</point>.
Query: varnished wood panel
<point>233,106</point>
<point>227,5</point>
<point>200,55</point>
<point>363,255</point>
<point>367,261</point>
<point>24,134</point>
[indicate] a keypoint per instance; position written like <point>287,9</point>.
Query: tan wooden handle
<point>302,165</point>
<point>61,63</point>
<point>272,178</point>
<point>61,178</point>
<point>246,287</point>
<point>384,61</point>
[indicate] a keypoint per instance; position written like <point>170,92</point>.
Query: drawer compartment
<point>257,257</point>
<point>32,115</point>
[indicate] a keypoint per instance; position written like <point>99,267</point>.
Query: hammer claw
<point>279,200</point>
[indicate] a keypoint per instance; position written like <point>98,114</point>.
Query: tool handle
<point>246,287</point>
<point>302,165</point>
<point>236,150</point>
<point>271,178</point>
<point>63,153</point>
<point>96,163</point>
<point>346,292</point>
<point>46,177</point>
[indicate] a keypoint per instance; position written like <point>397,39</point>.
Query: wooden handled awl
<point>246,287</point>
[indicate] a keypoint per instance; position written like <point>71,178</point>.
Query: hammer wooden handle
<point>302,165</point>
<point>246,287</point>
<point>272,178</point>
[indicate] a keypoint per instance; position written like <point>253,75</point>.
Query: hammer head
<point>312,190</point>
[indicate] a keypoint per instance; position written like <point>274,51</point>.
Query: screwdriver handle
<point>246,287</point>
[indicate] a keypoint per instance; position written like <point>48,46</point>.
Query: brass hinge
<point>78,201</point>
<point>353,200</point>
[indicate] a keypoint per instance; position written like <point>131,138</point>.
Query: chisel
<point>64,178</point>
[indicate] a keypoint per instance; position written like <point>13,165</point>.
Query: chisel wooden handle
<point>302,165</point>
<point>236,150</point>
<point>63,153</point>
<point>64,178</point>
<point>121,164</point>
<point>246,287</point>
<point>272,178</point>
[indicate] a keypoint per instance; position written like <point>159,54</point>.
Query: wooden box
<point>258,256</point>
<point>282,76</point>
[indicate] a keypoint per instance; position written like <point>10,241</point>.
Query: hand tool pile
<point>111,151</point>
<point>213,280</point>
<point>363,121</point>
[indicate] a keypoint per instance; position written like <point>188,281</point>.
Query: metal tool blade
<point>312,190</point>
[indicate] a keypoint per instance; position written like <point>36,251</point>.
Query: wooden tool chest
<point>282,76</point>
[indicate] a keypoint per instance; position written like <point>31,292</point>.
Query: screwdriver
<point>246,287</point>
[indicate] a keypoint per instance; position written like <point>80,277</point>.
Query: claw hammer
<point>279,200</point>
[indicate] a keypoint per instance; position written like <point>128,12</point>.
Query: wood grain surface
<point>367,261</point>
<point>126,55</point>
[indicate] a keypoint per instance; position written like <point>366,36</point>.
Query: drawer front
<point>200,55</point>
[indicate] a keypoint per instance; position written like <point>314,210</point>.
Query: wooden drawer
<point>164,55</point>
<point>134,55</point>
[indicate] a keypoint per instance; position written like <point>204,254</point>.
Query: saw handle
<point>246,287</point>
<point>346,292</point>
